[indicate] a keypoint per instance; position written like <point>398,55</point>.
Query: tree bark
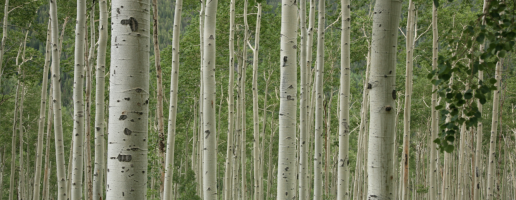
<point>434,130</point>
<point>305,68</point>
<point>13,143</point>
<point>228,186</point>
<point>41,119</point>
<point>256,122</point>
<point>343,162</point>
<point>98,175</point>
<point>209,92</point>
<point>286,185</point>
<point>128,101</point>
<point>383,95</point>
<point>4,36</point>
<point>78,104</point>
<point>169,165</point>
<point>319,76</point>
<point>491,175</point>
<point>408,100</point>
<point>46,177</point>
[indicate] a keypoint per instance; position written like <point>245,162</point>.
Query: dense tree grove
<point>265,99</point>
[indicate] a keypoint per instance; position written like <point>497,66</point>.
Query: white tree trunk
<point>228,186</point>
<point>243,101</point>
<point>88,188</point>
<point>4,36</point>
<point>305,68</point>
<point>256,121</point>
<point>382,99</point>
<point>128,101</point>
<point>200,151</point>
<point>288,93</point>
<point>209,93</point>
<point>169,164</point>
<point>41,120</point>
<point>46,177</point>
<point>98,175</point>
<point>13,143</point>
<point>56,82</point>
<point>408,100</point>
<point>491,175</point>
<point>434,130</point>
<point>78,104</point>
<point>319,76</point>
<point>343,162</point>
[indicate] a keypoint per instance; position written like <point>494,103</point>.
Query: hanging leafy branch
<point>498,33</point>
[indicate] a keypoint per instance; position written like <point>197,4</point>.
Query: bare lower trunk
<point>128,101</point>
<point>209,92</point>
<point>433,167</point>
<point>228,186</point>
<point>286,185</point>
<point>41,120</point>
<point>491,175</point>
<point>46,177</point>
<point>318,156</point>
<point>383,95</point>
<point>303,65</point>
<point>343,160</point>
<point>256,130</point>
<point>169,167</point>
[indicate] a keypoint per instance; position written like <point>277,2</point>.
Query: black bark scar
<point>131,22</point>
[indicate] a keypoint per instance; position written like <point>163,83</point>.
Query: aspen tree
<point>432,168</point>
<point>159,91</point>
<point>4,35</point>
<point>319,76</point>
<point>262,165</point>
<point>286,185</point>
<point>343,159</point>
<point>408,99</point>
<point>41,119</point>
<point>491,175</point>
<point>78,104</point>
<point>382,96</point>
<point>169,164</point>
<point>228,186</point>
<point>256,123</point>
<point>200,142</point>
<point>88,187</point>
<point>22,188</point>
<point>128,101</point>
<point>479,130</point>
<point>13,143</point>
<point>98,175</point>
<point>304,67</point>
<point>58,128</point>
<point>209,92</point>
<point>46,177</point>
<point>243,124</point>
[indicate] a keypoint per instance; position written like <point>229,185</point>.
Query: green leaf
<point>448,148</point>
<point>436,3</point>
<point>439,107</point>
<point>468,95</point>
<point>492,80</point>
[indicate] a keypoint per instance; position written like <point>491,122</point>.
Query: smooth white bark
<point>228,185</point>
<point>99,170</point>
<point>4,36</point>
<point>256,130</point>
<point>319,76</point>
<point>491,173</point>
<point>304,68</point>
<point>41,119</point>
<point>56,101</point>
<point>382,99</point>
<point>343,160</point>
<point>169,169</point>
<point>128,101</point>
<point>286,188</point>
<point>434,130</point>
<point>209,93</point>
<point>408,100</point>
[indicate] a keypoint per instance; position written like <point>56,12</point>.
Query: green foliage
<point>498,34</point>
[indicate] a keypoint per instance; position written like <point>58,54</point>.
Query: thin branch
<point>340,14</point>
<point>419,36</point>
<point>402,32</point>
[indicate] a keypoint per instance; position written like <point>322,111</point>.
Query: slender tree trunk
<point>159,103</point>
<point>13,143</point>
<point>4,36</point>
<point>228,186</point>
<point>304,67</point>
<point>319,76</point>
<point>169,167</point>
<point>288,92</point>
<point>383,94</point>
<point>46,177</point>
<point>98,175</point>
<point>41,119</point>
<point>78,104</point>
<point>87,128</point>
<point>243,124</point>
<point>408,100</point>
<point>343,162</point>
<point>129,96</point>
<point>256,121</point>
<point>201,100</point>
<point>433,167</point>
<point>491,175</point>
<point>309,98</point>
<point>209,92</point>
